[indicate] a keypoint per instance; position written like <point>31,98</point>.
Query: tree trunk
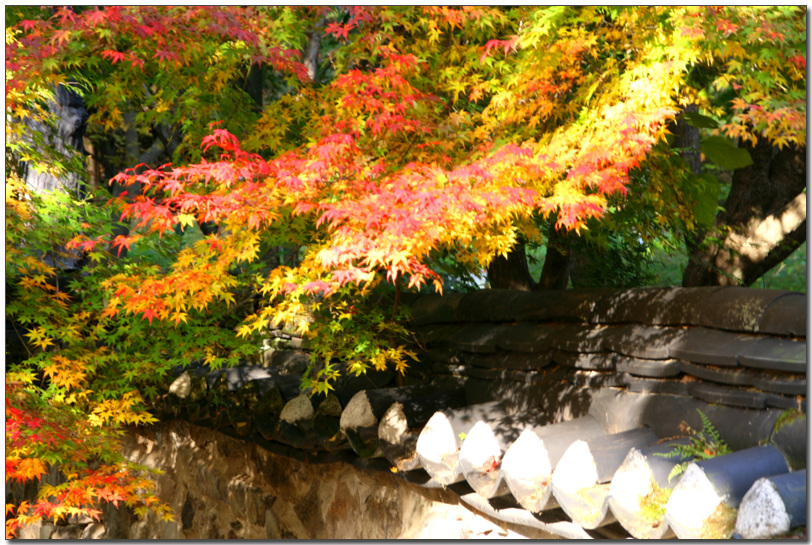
<point>310,56</point>
<point>511,272</point>
<point>65,142</point>
<point>763,222</point>
<point>253,86</point>
<point>555,274</point>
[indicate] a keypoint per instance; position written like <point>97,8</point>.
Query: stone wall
<point>220,487</point>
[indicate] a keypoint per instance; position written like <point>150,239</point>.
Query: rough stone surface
<point>223,488</point>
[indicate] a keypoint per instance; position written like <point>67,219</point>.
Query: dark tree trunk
<point>253,86</point>
<point>555,274</point>
<point>686,139</point>
<point>763,222</point>
<point>511,272</point>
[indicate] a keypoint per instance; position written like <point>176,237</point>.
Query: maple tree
<point>302,167</point>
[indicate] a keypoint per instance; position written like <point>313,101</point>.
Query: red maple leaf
<point>114,56</point>
<point>121,241</point>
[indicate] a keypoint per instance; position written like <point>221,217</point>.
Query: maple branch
<point>30,355</point>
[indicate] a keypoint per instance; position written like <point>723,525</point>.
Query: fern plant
<point>703,445</point>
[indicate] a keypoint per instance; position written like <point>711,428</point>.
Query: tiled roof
<point>560,410</point>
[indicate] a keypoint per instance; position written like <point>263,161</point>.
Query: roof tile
<point>785,316</point>
<point>737,308</point>
<point>711,346</point>
<point>776,354</point>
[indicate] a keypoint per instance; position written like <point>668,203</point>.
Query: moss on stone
<point>652,505</point>
<point>788,417</point>
<point>721,524</point>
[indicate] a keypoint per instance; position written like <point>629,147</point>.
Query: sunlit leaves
<point>452,131</point>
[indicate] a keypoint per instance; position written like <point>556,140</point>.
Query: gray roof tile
<point>435,309</point>
<point>785,402</point>
<point>657,356</point>
<point>479,338</point>
<point>648,368</point>
<point>434,334</point>
<point>782,384</point>
<point>633,305</point>
<point>641,341</point>
<point>773,506</point>
<point>512,360</point>
<point>737,308</point>
<point>724,395</point>
<point>558,305</point>
<point>785,316</point>
<point>489,305</point>
<point>692,507</point>
<point>596,361</point>
<point>711,346</point>
<point>529,337</point>
<point>578,338</point>
<point>657,386</point>
<point>726,375</point>
<point>776,354</point>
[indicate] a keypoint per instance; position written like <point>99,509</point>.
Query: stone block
<point>71,531</point>
<point>785,316</point>
<point>237,377</point>
<point>711,346</point>
<point>776,354</point>
<point>94,530</point>
<point>290,362</point>
<point>33,530</point>
<point>737,308</point>
<point>46,530</point>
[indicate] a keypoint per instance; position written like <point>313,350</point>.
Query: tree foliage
<point>422,136</point>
